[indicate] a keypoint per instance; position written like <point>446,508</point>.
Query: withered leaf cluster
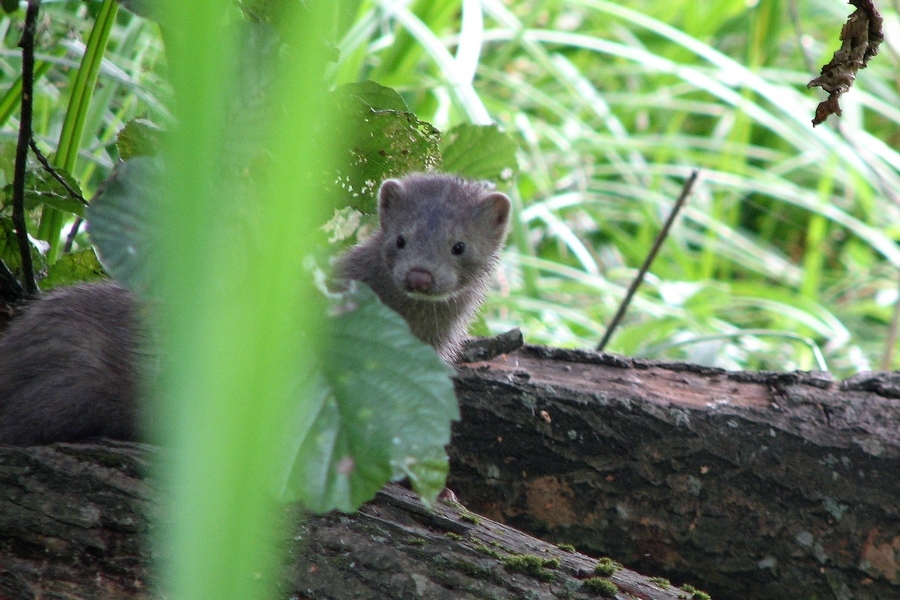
<point>860,38</point>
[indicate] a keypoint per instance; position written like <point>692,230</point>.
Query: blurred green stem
<point>13,96</point>
<point>821,364</point>
<point>887,359</point>
<point>238,313</point>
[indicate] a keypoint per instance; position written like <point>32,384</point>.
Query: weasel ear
<point>495,209</point>
<point>390,195</point>
<point>391,191</point>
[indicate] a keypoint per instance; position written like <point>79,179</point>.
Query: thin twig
<point>657,244</point>
<point>49,168</point>
<point>18,213</point>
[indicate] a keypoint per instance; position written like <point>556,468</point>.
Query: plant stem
<point>18,213</point>
<point>75,194</point>
<point>76,114</point>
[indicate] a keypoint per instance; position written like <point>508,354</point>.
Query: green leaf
<point>387,142</point>
<point>72,268</point>
<point>118,219</point>
<point>479,152</point>
<point>41,188</point>
<point>82,91</point>
<point>9,249</point>
<point>139,137</point>
<point>148,9</point>
<point>382,409</point>
<point>7,161</point>
<point>375,96</point>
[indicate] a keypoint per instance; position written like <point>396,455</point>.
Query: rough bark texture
<point>765,485</point>
<point>73,521</point>
<point>750,485</point>
<point>394,548</point>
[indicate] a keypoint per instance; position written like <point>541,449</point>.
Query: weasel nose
<point>419,280</point>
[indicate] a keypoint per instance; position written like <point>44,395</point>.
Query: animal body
<point>70,366</point>
<point>434,253</point>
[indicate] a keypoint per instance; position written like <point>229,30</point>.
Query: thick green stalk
<point>234,303</point>
<point>73,125</point>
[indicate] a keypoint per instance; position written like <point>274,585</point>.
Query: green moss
<point>662,582</point>
<point>470,517</point>
<point>537,567</point>
<point>694,593</point>
<point>488,551</point>
<point>606,567</point>
<point>471,569</point>
<point>497,544</point>
<point>454,536</point>
<point>415,541</point>
<point>566,548</point>
<point>600,587</point>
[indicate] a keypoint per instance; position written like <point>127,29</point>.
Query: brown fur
<point>436,290</point>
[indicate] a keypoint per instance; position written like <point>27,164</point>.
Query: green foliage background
<point>787,250</point>
<point>785,258</point>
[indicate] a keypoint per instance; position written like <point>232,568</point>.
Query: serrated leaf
<point>118,221</point>
<point>479,152</point>
<point>72,268</point>
<point>379,410</point>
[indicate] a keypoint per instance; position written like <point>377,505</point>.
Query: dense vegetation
<point>785,256</point>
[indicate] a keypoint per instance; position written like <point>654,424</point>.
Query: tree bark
<point>749,485</point>
<point>74,520</point>
<point>746,485</point>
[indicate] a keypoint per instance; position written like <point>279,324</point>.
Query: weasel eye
<point>458,248</point>
<point>401,241</point>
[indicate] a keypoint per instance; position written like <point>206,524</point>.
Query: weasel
<point>432,257</point>
<point>71,365</point>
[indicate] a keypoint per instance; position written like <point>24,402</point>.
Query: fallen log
<point>74,520</point>
<point>750,485</point>
<point>747,485</point>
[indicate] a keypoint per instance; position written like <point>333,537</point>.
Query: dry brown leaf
<point>860,37</point>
